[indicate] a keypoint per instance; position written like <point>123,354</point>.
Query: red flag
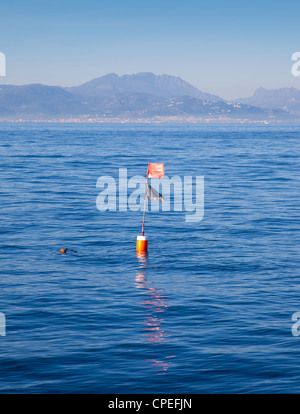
<point>155,170</point>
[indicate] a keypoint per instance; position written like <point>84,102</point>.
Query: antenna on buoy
<point>155,170</point>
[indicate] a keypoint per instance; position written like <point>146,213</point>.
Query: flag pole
<point>145,199</point>
<point>155,170</point>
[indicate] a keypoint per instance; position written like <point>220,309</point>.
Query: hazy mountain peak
<point>260,91</point>
<point>274,98</point>
<point>144,82</point>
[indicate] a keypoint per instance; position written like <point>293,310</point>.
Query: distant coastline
<point>151,121</point>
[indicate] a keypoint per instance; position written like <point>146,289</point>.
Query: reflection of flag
<point>152,194</point>
<point>155,170</point>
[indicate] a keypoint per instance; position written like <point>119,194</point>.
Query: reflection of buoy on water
<point>141,243</point>
<point>154,171</point>
<point>142,255</point>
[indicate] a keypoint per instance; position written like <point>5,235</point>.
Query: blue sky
<point>225,47</point>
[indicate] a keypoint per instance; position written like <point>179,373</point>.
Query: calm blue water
<point>207,311</point>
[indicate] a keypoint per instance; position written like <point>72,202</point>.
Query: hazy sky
<point>225,47</point>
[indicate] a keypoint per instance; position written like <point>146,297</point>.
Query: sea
<point>213,307</point>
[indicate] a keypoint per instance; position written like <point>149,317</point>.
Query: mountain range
<point>287,99</point>
<point>143,97</point>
